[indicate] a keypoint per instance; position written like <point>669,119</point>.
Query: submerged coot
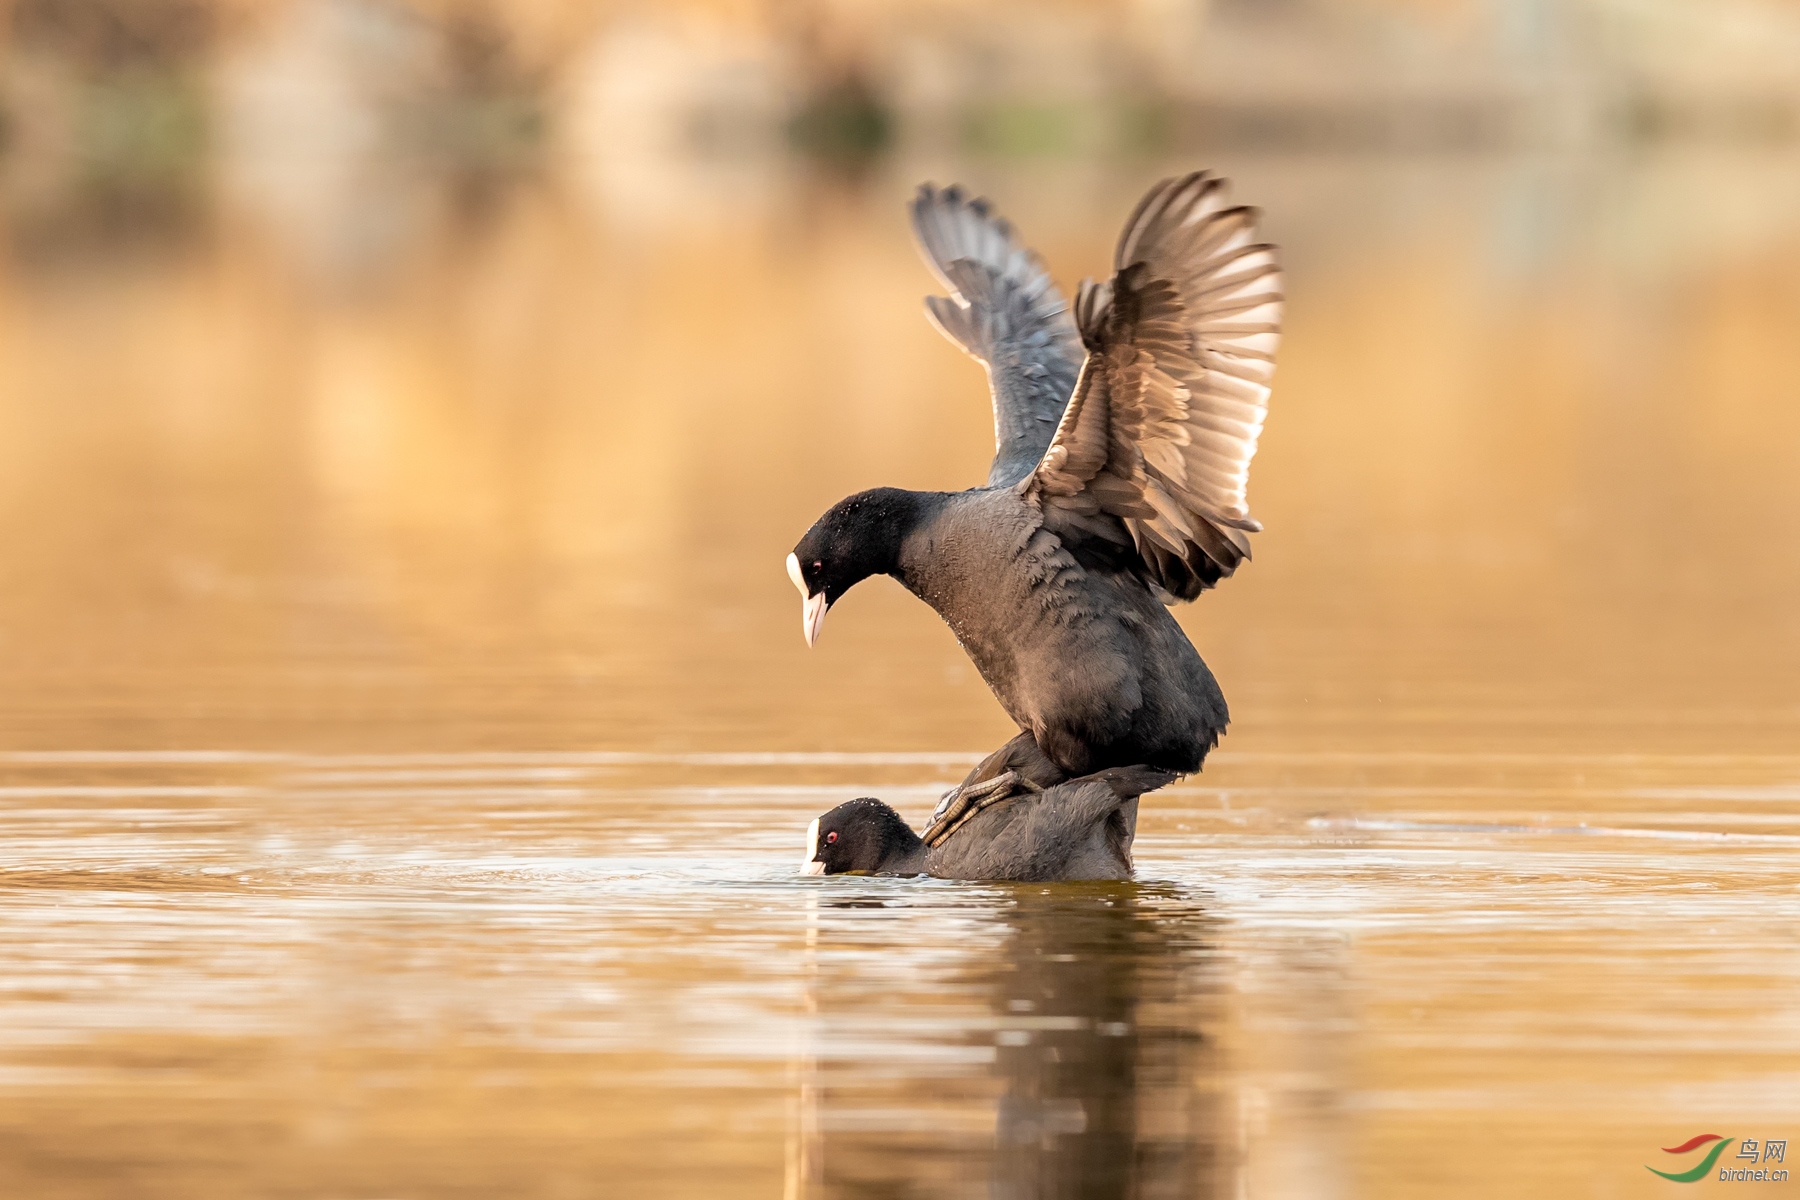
<point>1118,482</point>
<point>1081,829</point>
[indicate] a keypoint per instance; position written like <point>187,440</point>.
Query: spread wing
<point>1156,444</point>
<point>1006,313</point>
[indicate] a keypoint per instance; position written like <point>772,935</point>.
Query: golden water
<point>408,734</point>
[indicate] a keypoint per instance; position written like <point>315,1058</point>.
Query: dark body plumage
<point>1084,658</point>
<point>1080,829</point>
<point>1123,437</point>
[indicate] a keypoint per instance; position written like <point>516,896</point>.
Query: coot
<point>1124,432</point>
<point>1081,829</point>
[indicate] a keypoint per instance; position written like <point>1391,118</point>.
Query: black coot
<point>1081,829</point>
<point>1124,433</point>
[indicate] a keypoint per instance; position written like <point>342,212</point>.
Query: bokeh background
<point>388,373</point>
<point>406,733</point>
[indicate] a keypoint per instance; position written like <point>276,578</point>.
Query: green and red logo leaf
<point>1705,1165</point>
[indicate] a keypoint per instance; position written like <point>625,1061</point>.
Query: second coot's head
<point>859,837</point>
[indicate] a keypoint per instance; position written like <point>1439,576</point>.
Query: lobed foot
<point>962,802</point>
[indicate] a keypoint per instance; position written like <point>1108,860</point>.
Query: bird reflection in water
<point>1096,1003</point>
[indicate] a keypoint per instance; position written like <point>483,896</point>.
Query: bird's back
<point>1031,840</point>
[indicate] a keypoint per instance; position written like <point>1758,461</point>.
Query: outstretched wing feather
<point>1006,312</point>
<point>1171,399</point>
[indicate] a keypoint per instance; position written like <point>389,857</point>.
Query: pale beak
<point>812,608</point>
<point>812,866</point>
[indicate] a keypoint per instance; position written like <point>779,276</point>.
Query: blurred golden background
<point>382,373</point>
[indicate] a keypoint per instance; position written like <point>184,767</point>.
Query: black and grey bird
<point>1124,431</point>
<point>1079,829</point>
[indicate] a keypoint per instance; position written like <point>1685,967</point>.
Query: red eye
<point>831,837</point>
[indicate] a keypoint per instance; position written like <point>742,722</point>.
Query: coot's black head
<point>861,837</point>
<point>856,538</point>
